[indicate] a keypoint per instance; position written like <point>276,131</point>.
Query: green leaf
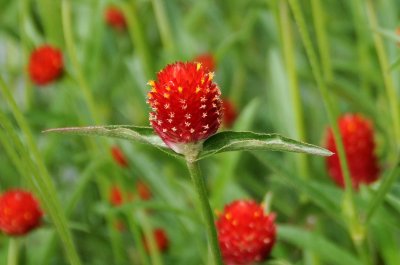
<point>139,134</point>
<point>322,247</point>
<point>249,141</point>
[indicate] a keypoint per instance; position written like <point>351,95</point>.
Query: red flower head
<point>186,104</point>
<point>358,139</point>
<point>45,65</point>
<point>19,212</point>
<point>161,240</point>
<point>230,113</point>
<point>143,191</point>
<point>118,156</point>
<point>206,60</point>
<point>115,18</point>
<point>245,233</point>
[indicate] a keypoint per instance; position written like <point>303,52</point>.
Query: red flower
<point>118,156</point>
<point>206,60</point>
<point>116,198</point>
<point>358,139</point>
<point>245,233</point>
<point>143,190</point>
<point>186,104</point>
<point>19,212</point>
<point>115,18</point>
<point>45,65</point>
<point>161,240</point>
<point>230,113</point>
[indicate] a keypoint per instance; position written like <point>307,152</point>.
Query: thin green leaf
<point>139,134</point>
<point>249,141</point>
<point>325,249</point>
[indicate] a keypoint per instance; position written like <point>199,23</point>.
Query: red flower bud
<point>358,140</point>
<point>161,240</point>
<point>230,113</point>
<point>118,156</point>
<point>115,18</point>
<point>19,212</point>
<point>45,65</point>
<point>143,190</point>
<point>186,104</point>
<point>245,233</point>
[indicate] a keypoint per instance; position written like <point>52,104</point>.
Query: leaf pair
<point>220,142</point>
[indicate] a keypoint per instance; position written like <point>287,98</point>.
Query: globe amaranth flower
<point>45,65</point>
<point>358,139</point>
<point>246,234</point>
<point>186,104</point>
<point>115,18</point>
<point>19,212</point>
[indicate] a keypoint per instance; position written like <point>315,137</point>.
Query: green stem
<point>349,208</point>
<point>289,56</point>
<point>322,40</point>
<point>384,188</point>
<point>42,179</point>
<point>164,26</point>
<point>135,231</point>
<point>71,50</point>
<point>155,256</point>
<point>387,79</point>
<point>138,39</point>
<point>13,251</point>
<point>200,187</point>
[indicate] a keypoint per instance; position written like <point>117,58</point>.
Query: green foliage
<point>289,66</point>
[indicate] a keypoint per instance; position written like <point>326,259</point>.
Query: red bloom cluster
<point>19,212</point>
<point>161,240</point>
<point>245,233</point>
<point>115,18</point>
<point>45,65</point>
<point>118,156</point>
<point>206,60</point>
<point>186,104</point>
<point>358,139</point>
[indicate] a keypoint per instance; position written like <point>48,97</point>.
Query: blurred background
<point>262,69</point>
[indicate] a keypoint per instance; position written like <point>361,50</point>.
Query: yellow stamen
<point>166,95</point>
<point>197,90</point>
<point>228,216</point>
<point>168,88</point>
<point>149,95</point>
<point>180,89</point>
<point>151,83</point>
<point>198,66</point>
<point>153,89</point>
<point>210,76</point>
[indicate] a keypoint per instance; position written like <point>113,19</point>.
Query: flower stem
<point>349,207</point>
<point>199,185</point>
<point>13,250</point>
<point>387,78</point>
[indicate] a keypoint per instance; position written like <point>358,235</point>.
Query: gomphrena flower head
<point>186,104</point>
<point>115,18</point>
<point>19,212</point>
<point>358,139</point>
<point>45,65</point>
<point>207,61</point>
<point>246,234</point>
<point>119,156</point>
